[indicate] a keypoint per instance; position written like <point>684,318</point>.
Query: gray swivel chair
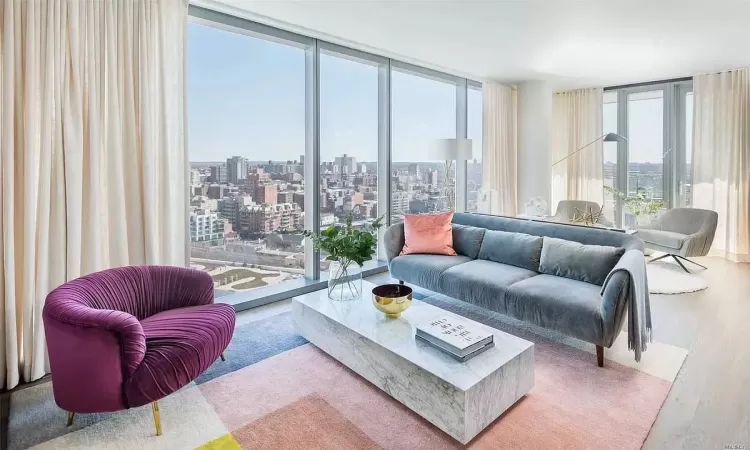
<point>566,211</point>
<point>681,233</point>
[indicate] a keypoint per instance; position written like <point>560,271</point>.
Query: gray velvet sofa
<point>514,286</point>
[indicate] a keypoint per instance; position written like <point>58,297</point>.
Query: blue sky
<point>246,96</point>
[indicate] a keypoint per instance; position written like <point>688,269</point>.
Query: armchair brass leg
<point>222,357</point>
<point>157,417</point>
<point>70,419</point>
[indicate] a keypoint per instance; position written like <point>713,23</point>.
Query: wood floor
<point>709,404</point>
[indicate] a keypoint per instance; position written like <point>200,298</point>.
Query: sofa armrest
<point>617,291</point>
<point>697,244</point>
<point>614,306</point>
<point>66,314</point>
<point>394,240</point>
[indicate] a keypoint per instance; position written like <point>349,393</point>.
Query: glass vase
<point>344,281</point>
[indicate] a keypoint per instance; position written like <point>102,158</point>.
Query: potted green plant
<point>643,208</point>
<point>347,249</point>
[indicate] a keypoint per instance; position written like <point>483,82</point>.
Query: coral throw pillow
<point>428,233</point>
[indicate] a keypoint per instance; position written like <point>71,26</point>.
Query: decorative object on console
<point>570,211</point>
<point>450,150</point>
<point>535,207</point>
<point>588,217</point>
<point>392,299</point>
<point>428,233</point>
<point>130,336</point>
<point>348,248</point>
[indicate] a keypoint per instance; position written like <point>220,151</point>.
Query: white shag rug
<point>666,277</point>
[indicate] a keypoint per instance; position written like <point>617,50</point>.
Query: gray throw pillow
<point>570,259</point>
<point>467,240</point>
<point>515,249</point>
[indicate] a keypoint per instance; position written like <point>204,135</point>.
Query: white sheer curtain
<point>500,148</point>
<point>721,157</point>
<point>92,153</point>
<point>576,121</point>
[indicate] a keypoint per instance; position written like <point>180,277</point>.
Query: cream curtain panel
<point>500,148</point>
<point>721,157</point>
<point>576,121</point>
<point>92,153</point>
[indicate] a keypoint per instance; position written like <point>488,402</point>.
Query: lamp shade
<point>614,137</point>
<point>450,150</point>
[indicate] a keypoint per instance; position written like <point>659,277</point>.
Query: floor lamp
<point>609,137</point>
<point>449,150</point>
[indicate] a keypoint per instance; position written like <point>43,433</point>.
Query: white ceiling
<point>570,43</point>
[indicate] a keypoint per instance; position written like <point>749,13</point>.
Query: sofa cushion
<point>569,306</point>
<point>424,270</point>
<point>428,234</point>
<point>570,259</point>
<point>515,249</point>
<point>467,240</point>
<point>482,282</point>
<point>663,238</point>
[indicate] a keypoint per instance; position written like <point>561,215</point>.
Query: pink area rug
<point>304,399</point>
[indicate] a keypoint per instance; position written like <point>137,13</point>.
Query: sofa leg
<point>222,357</point>
<point>600,356</point>
<point>70,419</point>
<point>157,417</point>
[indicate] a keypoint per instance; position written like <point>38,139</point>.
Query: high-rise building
<point>205,225</point>
<point>215,191</point>
<point>195,177</point>
<point>270,218</point>
<point>265,194</point>
<point>347,165</point>
<point>219,174</point>
<point>236,169</point>
<point>285,197</point>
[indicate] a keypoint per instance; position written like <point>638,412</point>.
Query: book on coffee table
<point>457,337</point>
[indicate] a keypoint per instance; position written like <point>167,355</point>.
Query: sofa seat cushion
<point>424,270</point>
<point>482,282</point>
<point>180,345</point>
<point>667,239</point>
<point>571,307</point>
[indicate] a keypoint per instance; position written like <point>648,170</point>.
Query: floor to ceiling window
<point>348,141</point>
<point>423,109</point>
<point>654,162</point>
<point>609,149</point>
<point>686,187</point>
<point>474,132</point>
<point>287,133</point>
<point>246,123</point>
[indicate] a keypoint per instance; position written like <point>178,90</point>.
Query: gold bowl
<point>392,299</point>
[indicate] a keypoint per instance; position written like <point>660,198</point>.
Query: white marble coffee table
<point>459,398</point>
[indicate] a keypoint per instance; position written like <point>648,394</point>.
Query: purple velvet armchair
<point>129,336</point>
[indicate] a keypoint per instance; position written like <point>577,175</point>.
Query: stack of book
<point>459,338</point>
